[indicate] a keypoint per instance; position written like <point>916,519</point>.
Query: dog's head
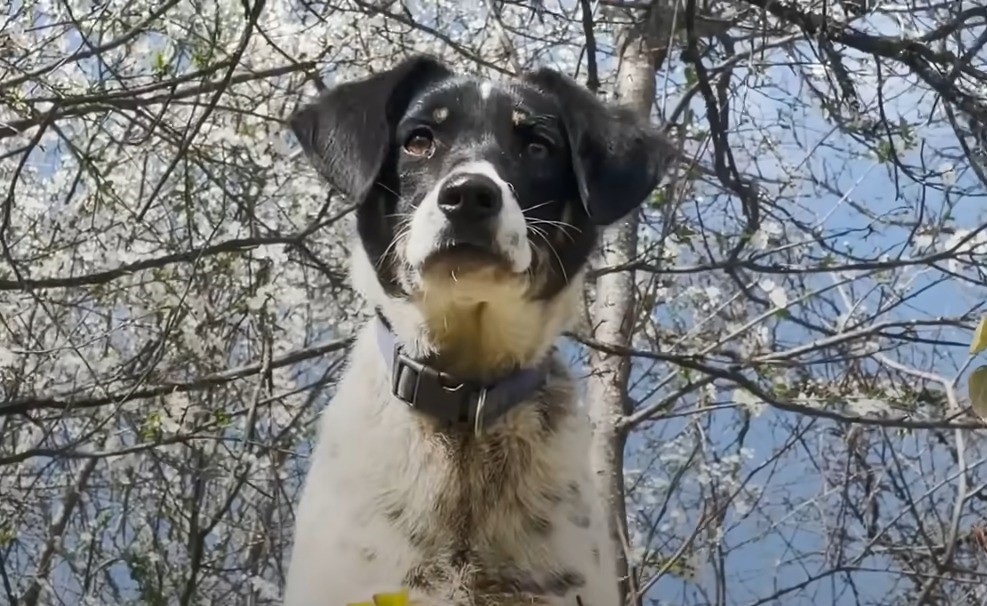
<point>469,185</point>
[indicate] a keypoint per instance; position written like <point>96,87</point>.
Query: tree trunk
<point>612,316</point>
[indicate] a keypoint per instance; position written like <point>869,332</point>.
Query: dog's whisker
<point>557,257</point>
<point>525,211</point>
<point>537,230</point>
<point>557,223</point>
<point>560,224</point>
<point>386,188</point>
<point>398,239</point>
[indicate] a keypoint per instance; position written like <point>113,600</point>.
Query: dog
<point>454,459</point>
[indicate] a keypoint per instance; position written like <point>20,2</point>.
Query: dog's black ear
<point>346,132</point>
<point>617,157</point>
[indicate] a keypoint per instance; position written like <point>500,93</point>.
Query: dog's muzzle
<point>471,204</point>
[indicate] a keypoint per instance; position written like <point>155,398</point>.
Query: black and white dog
<point>454,459</point>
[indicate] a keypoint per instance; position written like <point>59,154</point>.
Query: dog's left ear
<point>617,157</point>
<point>346,133</point>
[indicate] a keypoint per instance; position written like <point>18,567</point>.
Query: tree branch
<point>68,402</point>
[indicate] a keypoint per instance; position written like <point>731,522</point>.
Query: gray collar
<point>455,403</point>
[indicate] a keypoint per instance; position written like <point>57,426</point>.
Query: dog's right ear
<point>347,131</point>
<point>618,158</point>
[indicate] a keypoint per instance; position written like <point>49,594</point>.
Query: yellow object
<point>979,342</point>
<point>392,599</point>
<point>978,391</point>
<point>399,598</point>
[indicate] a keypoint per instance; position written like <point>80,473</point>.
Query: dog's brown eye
<point>537,150</point>
<point>420,143</point>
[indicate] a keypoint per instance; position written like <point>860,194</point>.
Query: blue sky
<point>757,562</point>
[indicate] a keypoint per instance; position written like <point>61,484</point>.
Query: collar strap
<point>455,403</point>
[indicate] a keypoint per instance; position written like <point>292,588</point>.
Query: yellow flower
<point>386,599</point>
<point>392,599</point>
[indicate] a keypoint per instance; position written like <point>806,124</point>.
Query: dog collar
<point>460,404</point>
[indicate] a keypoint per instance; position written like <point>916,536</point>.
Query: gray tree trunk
<point>612,314</point>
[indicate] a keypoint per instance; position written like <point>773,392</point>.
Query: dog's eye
<point>538,149</point>
<point>420,142</point>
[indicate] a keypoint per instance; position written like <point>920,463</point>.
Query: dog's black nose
<point>470,197</point>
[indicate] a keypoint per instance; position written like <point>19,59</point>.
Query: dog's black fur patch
<point>602,160</point>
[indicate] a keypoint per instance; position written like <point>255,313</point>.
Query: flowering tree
<point>773,348</point>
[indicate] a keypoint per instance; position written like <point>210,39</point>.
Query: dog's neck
<point>476,328</point>
<point>483,339</point>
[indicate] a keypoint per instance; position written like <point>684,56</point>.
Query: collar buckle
<point>436,393</point>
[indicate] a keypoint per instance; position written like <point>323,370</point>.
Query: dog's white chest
<point>387,504</point>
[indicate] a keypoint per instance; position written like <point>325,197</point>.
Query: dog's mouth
<point>460,256</point>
